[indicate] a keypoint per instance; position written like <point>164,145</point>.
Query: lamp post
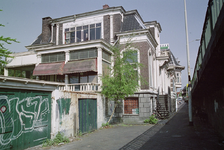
<point>188,69</point>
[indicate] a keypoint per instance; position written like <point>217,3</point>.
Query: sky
<point>23,21</point>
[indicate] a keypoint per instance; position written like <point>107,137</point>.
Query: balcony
<point>80,87</point>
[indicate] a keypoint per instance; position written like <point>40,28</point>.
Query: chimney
<point>105,6</point>
<point>46,30</point>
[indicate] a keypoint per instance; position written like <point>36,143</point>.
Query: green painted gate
<point>87,115</point>
<point>25,118</point>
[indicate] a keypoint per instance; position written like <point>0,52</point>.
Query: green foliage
<point>5,53</point>
<point>123,78</point>
<point>151,120</point>
<point>80,133</point>
<point>105,124</point>
<point>60,138</point>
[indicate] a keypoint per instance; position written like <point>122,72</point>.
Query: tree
<point>5,53</point>
<point>123,78</point>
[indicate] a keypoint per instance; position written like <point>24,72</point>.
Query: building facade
<point>74,51</point>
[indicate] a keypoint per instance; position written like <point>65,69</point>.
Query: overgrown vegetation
<point>60,138</point>
<point>152,120</point>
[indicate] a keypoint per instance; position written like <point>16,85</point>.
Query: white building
<point>75,51</point>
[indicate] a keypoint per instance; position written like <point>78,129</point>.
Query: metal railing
<point>212,15</point>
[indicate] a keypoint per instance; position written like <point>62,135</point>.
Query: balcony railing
<point>210,24</point>
<point>80,87</point>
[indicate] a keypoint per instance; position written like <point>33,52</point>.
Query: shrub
<point>151,120</point>
<point>60,138</point>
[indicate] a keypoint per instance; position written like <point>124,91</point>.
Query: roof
<point>38,40</point>
<point>130,23</point>
<point>173,60</point>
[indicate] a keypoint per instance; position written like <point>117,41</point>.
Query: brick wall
<point>143,48</point>
<point>106,22</point>
<point>116,23</point>
<point>46,29</point>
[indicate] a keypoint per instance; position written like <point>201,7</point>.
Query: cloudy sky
<point>23,20</point>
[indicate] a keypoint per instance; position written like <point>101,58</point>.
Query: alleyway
<point>170,134</point>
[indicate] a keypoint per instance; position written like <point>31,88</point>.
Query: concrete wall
<point>210,109</point>
<point>67,121</point>
<point>147,103</point>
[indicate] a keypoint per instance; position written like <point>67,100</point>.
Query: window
<point>55,78</point>
<point>95,31</point>
<point>83,33</point>
<point>53,57</point>
<point>178,77</point>
<point>106,56</point>
<point>131,106</point>
<point>83,54</point>
<point>106,68</point>
<point>131,56</point>
<point>86,78</point>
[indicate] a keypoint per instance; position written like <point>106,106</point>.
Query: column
<point>6,72</point>
<point>38,59</point>
<point>57,33</point>
<point>99,66</point>
<point>66,56</point>
<point>111,29</point>
<point>52,31</point>
<point>66,82</point>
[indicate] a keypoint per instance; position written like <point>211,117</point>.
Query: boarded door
<point>25,118</point>
<point>87,115</point>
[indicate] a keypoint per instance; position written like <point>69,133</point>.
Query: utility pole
<point>188,69</point>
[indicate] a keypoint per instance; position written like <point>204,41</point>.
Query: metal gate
<point>25,118</point>
<point>87,115</point>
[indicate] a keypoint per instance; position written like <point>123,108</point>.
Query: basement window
<point>131,106</point>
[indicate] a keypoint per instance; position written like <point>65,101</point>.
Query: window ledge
<point>130,114</point>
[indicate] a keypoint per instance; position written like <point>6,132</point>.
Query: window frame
<point>49,55</point>
<point>138,60</point>
<point>81,30</point>
<point>72,55</point>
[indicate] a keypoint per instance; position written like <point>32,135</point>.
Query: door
<point>87,115</point>
<point>25,118</point>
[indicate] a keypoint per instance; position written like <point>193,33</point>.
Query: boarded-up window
<point>131,106</point>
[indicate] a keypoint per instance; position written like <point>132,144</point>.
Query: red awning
<point>49,69</point>
<point>80,66</point>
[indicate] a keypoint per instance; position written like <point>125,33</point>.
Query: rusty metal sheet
<point>49,69</point>
<point>80,66</point>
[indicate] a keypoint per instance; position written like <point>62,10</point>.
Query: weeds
<point>152,120</point>
<point>60,138</point>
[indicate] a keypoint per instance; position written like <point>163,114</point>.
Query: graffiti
<point>21,116</point>
<point>63,106</point>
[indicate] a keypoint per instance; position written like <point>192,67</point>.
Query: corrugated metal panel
<point>80,66</point>
<point>49,69</point>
